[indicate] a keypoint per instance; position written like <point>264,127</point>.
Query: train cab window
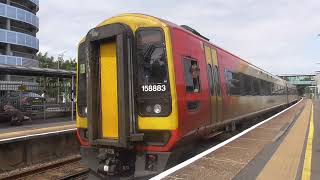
<point>82,82</point>
<point>191,75</point>
<point>152,61</point>
<point>210,79</point>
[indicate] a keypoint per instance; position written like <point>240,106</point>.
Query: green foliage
<point>46,61</point>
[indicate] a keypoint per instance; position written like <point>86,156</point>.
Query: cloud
<point>277,35</point>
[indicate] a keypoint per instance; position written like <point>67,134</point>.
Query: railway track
<point>68,168</point>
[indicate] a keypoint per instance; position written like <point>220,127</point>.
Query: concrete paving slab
<point>285,161</point>
<point>228,161</point>
<point>208,168</point>
<point>35,129</point>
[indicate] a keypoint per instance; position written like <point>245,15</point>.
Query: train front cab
<point>126,107</point>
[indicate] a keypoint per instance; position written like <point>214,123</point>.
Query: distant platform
<point>18,133</point>
<point>282,147</point>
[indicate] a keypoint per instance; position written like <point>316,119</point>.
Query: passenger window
<point>233,82</point>
<point>210,79</point>
<point>191,75</point>
<point>256,86</point>
<point>246,85</point>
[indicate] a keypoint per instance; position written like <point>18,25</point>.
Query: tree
<point>46,61</point>
<point>53,85</point>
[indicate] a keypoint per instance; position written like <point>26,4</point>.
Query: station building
<point>19,25</point>
<point>307,84</point>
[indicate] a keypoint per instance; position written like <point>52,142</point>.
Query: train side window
<point>233,82</point>
<point>255,86</point>
<point>245,84</point>
<point>269,88</point>
<point>191,75</point>
<point>210,79</point>
<point>263,89</point>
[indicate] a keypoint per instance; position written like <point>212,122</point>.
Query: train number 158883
<point>153,88</point>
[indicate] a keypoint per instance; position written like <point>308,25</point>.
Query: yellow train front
<point>126,118</point>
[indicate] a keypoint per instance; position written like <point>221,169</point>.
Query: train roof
<point>205,39</point>
<point>191,32</point>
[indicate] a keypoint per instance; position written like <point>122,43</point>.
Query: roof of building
<point>35,71</point>
<point>285,75</point>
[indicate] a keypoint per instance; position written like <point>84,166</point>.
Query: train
<point>147,87</point>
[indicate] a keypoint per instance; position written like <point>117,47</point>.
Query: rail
<point>40,171</point>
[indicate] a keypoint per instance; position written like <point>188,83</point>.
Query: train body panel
<point>170,86</point>
<point>193,106</point>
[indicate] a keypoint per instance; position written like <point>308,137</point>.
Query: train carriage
<point>147,86</point>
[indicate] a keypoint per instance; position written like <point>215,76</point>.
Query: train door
<point>109,95</point>
<point>214,85</point>
<point>216,76</point>
<point>108,54</point>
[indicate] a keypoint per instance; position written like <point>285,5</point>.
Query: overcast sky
<point>279,36</point>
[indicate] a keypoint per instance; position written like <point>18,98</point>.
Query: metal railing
<point>18,61</point>
<point>17,38</point>
<point>36,2</point>
<point>19,14</point>
<point>43,99</point>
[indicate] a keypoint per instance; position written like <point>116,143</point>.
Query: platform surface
<point>285,147</point>
<point>9,134</point>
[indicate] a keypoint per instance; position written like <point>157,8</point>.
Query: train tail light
<point>82,135</point>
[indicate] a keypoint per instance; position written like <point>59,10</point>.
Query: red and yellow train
<point>146,87</point>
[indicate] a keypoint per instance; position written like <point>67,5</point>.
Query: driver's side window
<point>191,75</point>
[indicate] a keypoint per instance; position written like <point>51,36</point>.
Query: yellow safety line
<point>306,172</point>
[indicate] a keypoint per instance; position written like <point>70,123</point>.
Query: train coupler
<point>115,162</point>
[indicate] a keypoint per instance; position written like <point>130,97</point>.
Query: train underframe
<point>111,163</point>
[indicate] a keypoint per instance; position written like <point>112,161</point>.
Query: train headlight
<point>157,108</point>
<point>154,108</point>
<point>83,111</point>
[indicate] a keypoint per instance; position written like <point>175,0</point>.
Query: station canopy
<point>35,71</point>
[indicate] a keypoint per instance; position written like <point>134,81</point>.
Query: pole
<point>45,96</point>
<point>58,100</point>
<point>72,97</point>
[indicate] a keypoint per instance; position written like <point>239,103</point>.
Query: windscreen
<point>82,82</point>
<point>152,62</point>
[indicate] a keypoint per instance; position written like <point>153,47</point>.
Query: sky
<point>280,36</point>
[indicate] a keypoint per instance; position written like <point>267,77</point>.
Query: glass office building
<point>19,25</point>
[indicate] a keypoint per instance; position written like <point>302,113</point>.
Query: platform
<point>286,146</point>
<point>32,131</point>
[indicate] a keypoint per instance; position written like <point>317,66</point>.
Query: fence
<point>43,99</point>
